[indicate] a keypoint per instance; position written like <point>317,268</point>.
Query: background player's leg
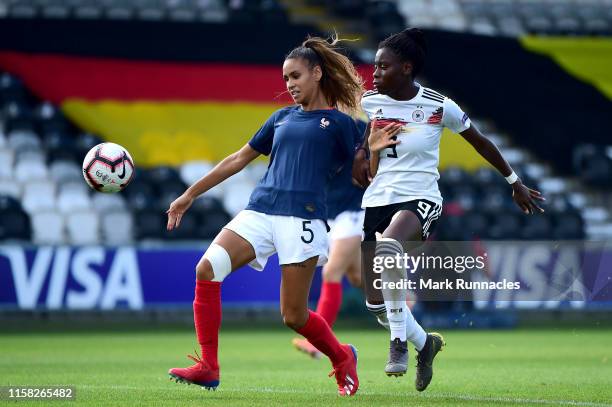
<point>343,256</point>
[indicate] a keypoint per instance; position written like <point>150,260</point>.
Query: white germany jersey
<point>409,170</point>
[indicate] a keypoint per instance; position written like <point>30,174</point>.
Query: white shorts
<point>294,239</point>
<point>346,224</point>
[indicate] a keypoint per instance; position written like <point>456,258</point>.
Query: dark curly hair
<point>410,46</point>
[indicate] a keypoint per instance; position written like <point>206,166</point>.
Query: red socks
<point>318,333</point>
<point>207,318</point>
<point>330,301</point>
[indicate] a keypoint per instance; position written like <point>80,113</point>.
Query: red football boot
<point>304,346</point>
<point>201,374</point>
<point>346,373</point>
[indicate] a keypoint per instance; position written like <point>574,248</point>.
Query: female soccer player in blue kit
<point>345,218</point>
<point>307,143</point>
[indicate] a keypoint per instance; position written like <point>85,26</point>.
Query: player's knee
<point>204,270</point>
<point>215,265</point>
<point>333,273</point>
<point>294,318</point>
<point>354,279</point>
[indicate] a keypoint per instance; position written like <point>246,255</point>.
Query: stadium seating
<point>45,200</point>
<point>500,17</point>
<point>150,10</point>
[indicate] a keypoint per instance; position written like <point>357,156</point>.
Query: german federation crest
<point>418,115</point>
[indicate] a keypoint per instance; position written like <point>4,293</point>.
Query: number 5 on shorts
<point>306,230</point>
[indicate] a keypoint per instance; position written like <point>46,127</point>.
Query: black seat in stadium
<point>188,228</point>
<point>476,225</point>
<point>536,227</point>
<point>450,228</point>
<point>140,195</point>
<point>61,146</point>
<point>593,165</point>
<point>84,142</point>
<point>49,119</point>
<point>568,226</point>
<point>11,90</point>
<point>14,222</point>
<point>207,203</point>
<point>18,116</point>
<point>150,224</point>
<point>384,18</point>
<point>504,226</point>
<point>211,222</point>
<point>348,8</point>
<point>163,174</point>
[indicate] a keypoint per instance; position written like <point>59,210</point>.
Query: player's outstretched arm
<point>229,166</point>
<point>526,198</point>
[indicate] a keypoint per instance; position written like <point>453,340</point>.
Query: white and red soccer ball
<point>108,167</point>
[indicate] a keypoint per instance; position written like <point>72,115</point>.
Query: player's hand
<point>381,138</point>
<point>361,169</point>
<point>526,198</point>
<point>177,209</point>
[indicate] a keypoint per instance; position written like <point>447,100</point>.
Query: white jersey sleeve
<point>454,118</point>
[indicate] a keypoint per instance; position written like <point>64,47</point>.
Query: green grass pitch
<point>259,367</point>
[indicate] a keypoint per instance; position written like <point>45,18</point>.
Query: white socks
<point>401,321</point>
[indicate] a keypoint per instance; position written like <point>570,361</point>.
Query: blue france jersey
<point>342,195</point>
<point>306,150</point>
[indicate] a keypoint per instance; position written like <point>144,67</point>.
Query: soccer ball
<point>108,167</point>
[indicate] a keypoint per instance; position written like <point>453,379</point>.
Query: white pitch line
<point>427,396</point>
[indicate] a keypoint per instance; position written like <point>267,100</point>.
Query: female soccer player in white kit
<point>403,201</point>
<point>286,214</point>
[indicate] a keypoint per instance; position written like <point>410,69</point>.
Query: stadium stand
<point>41,150</point>
<point>510,18</point>
<point>62,209</point>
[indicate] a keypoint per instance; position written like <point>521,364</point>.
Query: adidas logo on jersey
<point>324,123</point>
<point>378,114</point>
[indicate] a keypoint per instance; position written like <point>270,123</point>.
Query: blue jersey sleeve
<point>349,140</point>
<point>262,140</point>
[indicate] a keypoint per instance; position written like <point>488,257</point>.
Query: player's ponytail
<point>408,45</point>
<point>340,83</point>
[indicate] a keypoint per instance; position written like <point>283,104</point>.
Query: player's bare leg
<point>207,306</point>
<point>344,259</point>
<point>295,286</point>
